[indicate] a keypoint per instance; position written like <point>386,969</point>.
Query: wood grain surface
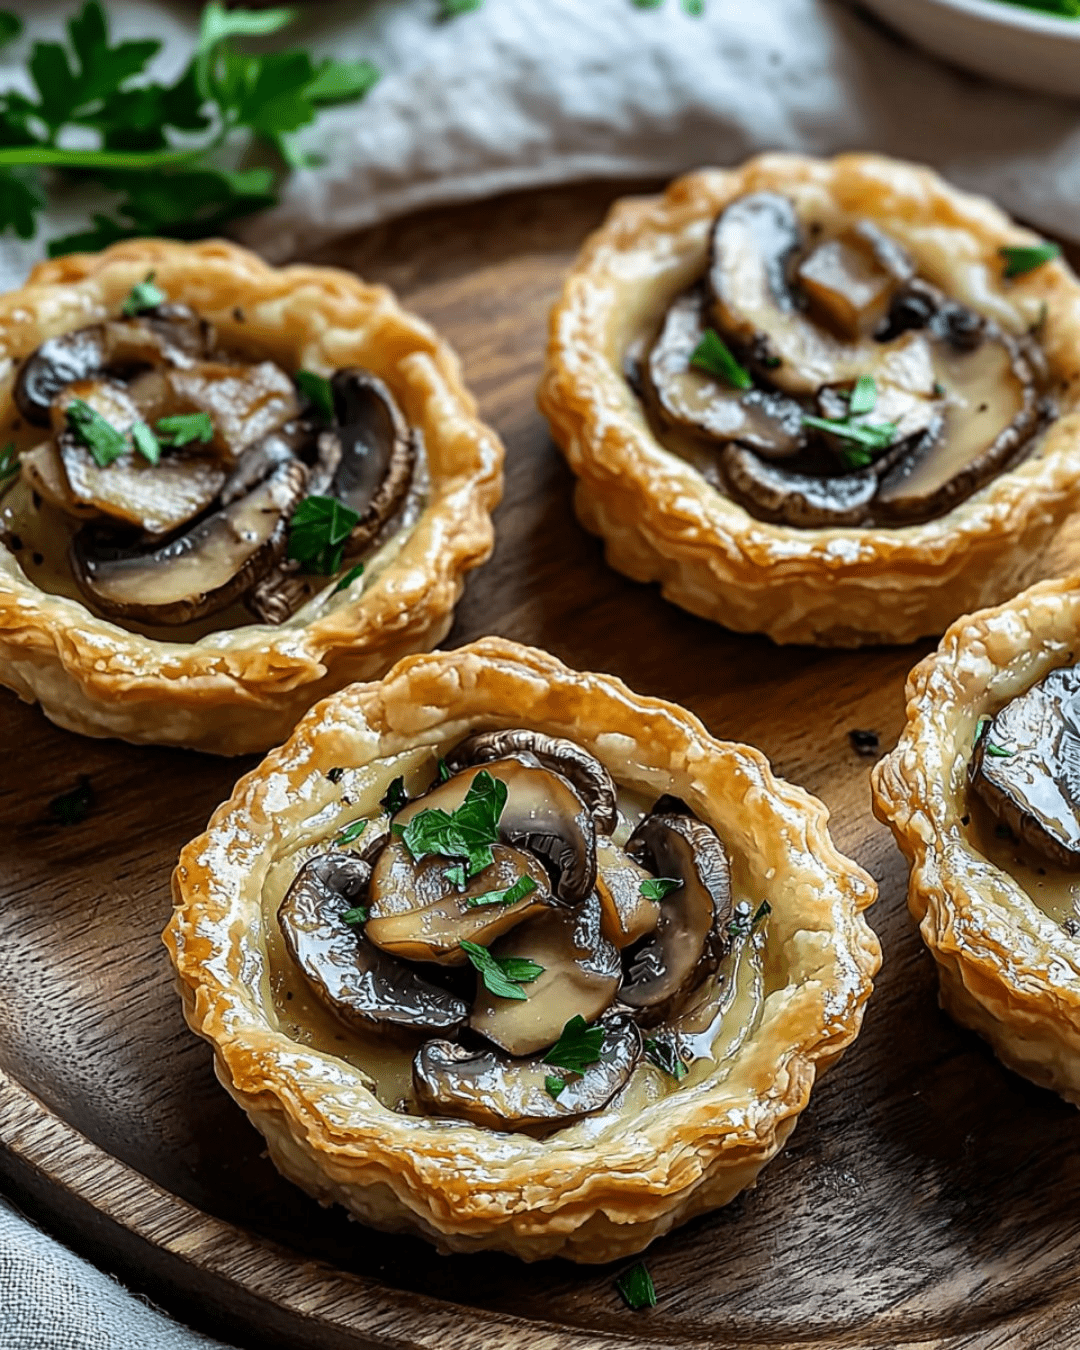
<point>927,1197</point>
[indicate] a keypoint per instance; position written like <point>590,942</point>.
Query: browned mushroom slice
<point>170,334</point>
<point>773,492</point>
<point>752,252</point>
<point>157,498</point>
<point>421,913</point>
<point>626,914</point>
<point>544,814</point>
<point>581,973</point>
<point>991,410</point>
<point>1026,766</point>
<point>697,401</point>
<point>592,781</point>
<point>348,974</point>
<point>197,572</point>
<point>506,1094</point>
<point>43,470</point>
<point>913,416</point>
<point>691,933</point>
<point>850,281</point>
<point>245,403</point>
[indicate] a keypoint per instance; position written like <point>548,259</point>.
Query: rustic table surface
<point>927,1197</point>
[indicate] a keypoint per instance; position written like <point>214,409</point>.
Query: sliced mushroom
<point>626,914</point>
<point>169,334</point>
<point>420,913</point>
<point>691,933</point>
<point>506,1094</point>
<point>594,784</point>
<point>349,975</point>
<point>581,973</point>
<point>850,281</point>
<point>774,492</point>
<point>543,813</point>
<point>1026,766</point>
<point>244,402</point>
<point>693,399</point>
<point>156,498</point>
<point>753,249</point>
<point>915,417</point>
<point>991,410</point>
<point>197,572</point>
<point>43,470</point>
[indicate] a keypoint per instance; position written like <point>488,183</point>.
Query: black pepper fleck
<point>238,314</point>
<point>38,558</point>
<point>864,742</point>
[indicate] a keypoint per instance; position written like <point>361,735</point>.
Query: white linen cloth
<point>527,92</point>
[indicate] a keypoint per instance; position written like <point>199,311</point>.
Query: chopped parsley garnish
<point>865,437</point>
<point>655,888</point>
<point>467,833</point>
<point>713,355</point>
<point>318,531</point>
<point>349,577</point>
<point>456,875</point>
<point>502,975</point>
<point>316,389</point>
<point>577,1047</point>
<point>9,461</point>
<point>143,295</point>
<point>744,923</point>
<point>980,726</point>
<point>554,1085</point>
<point>443,772</point>
<point>395,797</point>
<point>637,1288</point>
<point>351,832</point>
<point>356,916</point>
<point>335,774</point>
<point>146,442</point>
<point>518,891</point>
<point>665,1057</point>
<point>1025,258</point>
<point>997,751</point>
<point>70,808</point>
<point>863,396</point>
<point>183,428</point>
<point>97,433</point>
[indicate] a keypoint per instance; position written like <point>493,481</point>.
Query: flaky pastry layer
<point>600,1188</point>
<point>242,689</point>
<point>661,521</point>
<point>1005,967</point>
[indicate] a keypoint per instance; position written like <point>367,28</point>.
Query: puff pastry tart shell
<point>1007,969</point>
<point>242,689</point>
<point>599,1188</point>
<point>659,518</point>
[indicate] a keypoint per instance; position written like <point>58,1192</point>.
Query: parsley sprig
<point>466,833</point>
<point>1018,261</point>
<point>577,1047</point>
<point>863,437</point>
<point>143,295</point>
<point>744,922</point>
<point>713,355</point>
<point>97,433</point>
<point>636,1287</point>
<point>172,152</point>
<point>502,975</point>
<point>9,462</point>
<point>318,532</point>
<point>183,428</point>
<point>656,888</point>
<point>510,896</point>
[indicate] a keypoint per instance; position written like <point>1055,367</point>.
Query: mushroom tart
<point>983,795</point>
<point>548,988</point>
<point>227,490</point>
<point>831,401</point>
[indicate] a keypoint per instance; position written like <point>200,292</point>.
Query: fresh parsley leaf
<point>395,797</point>
<point>998,751</point>
<point>9,462</point>
<point>518,891</point>
<point>318,392</point>
<point>100,437</point>
<point>10,27</point>
<point>872,436</point>
<point>356,916</point>
<point>336,774</point>
<point>713,355</point>
<point>665,1057</point>
<point>443,774</point>
<point>341,82</point>
<point>655,888</point>
<point>143,295</point>
<point>146,442</point>
<point>577,1047</point>
<point>744,922</point>
<point>554,1085</point>
<point>502,975</point>
<point>348,579</point>
<point>863,396</point>
<point>456,875</point>
<point>981,725</point>
<point>318,531</point>
<point>351,832</point>
<point>20,201</point>
<point>466,833</point>
<point>637,1288</point>
<point>1018,261</point>
<point>70,808</point>
<point>183,428</point>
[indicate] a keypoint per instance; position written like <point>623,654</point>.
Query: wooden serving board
<point>927,1197</point>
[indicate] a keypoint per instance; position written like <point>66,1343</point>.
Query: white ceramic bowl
<point>1006,42</point>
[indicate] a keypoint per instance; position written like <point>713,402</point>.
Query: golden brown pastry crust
<point>241,690</point>
<point>1006,968</point>
<point>467,1188</point>
<point>661,521</point>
